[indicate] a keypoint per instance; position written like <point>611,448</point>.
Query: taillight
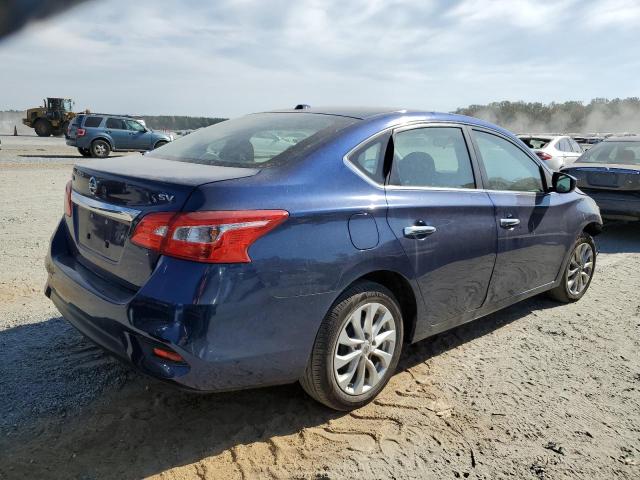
<point>67,199</point>
<point>211,237</point>
<point>80,132</point>
<point>544,156</point>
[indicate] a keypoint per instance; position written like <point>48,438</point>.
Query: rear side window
<point>116,124</point>
<point>507,167</point>
<point>257,141</point>
<point>431,157</point>
<point>93,121</point>
<point>369,158</point>
<point>563,145</point>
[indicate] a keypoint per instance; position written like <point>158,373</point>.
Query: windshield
<point>533,142</point>
<point>259,140</point>
<point>621,153</point>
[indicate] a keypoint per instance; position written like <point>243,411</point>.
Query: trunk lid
<point>606,176</point>
<point>110,196</point>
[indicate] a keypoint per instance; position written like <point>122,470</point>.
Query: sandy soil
<point>539,390</point>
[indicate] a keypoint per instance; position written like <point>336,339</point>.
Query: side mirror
<point>563,182</point>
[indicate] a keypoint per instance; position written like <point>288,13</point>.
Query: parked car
<point>555,151</point>
<point>97,135</point>
<point>586,142</point>
<point>609,172</point>
<point>312,245</point>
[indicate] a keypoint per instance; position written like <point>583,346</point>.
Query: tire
<point>100,149</point>
<point>85,152</point>
<point>160,144</point>
<point>65,129</point>
<point>320,380</point>
<point>582,264</point>
<point>42,128</point>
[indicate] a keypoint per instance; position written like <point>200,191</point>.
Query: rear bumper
<point>616,205</point>
<point>220,319</point>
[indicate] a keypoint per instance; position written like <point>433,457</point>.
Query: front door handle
<point>509,223</point>
<point>418,231</point>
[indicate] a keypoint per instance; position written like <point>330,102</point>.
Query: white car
<point>556,150</point>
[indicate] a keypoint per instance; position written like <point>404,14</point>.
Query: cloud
<point>231,57</point>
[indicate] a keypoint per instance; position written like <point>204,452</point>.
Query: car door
<point>117,130</point>
<point>532,236</point>
<point>446,225</point>
<point>139,137</point>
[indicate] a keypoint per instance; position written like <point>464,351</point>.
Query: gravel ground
<point>539,390</point>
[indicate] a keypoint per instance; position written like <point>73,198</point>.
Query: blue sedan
<point>310,245</point>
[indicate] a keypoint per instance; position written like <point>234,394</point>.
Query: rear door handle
<point>509,223</point>
<point>418,231</point>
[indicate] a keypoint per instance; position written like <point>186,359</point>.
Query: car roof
<point>391,114</point>
<point>626,138</point>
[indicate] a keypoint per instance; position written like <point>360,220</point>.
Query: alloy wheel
<point>364,348</point>
<point>580,269</point>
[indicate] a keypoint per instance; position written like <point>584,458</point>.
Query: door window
<point>575,146</point>
<point>115,124</point>
<point>507,167</point>
<point>92,122</point>
<point>135,126</point>
<point>432,157</point>
<point>563,145</point>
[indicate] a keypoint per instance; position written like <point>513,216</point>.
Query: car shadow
<point>619,237</point>
<point>49,370</point>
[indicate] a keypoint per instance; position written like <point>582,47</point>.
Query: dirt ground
<point>539,390</point>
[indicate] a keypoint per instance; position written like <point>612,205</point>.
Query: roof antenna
<point>302,106</point>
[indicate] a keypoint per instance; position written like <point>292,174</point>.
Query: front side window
<point>92,122</point>
<point>507,167</point>
<point>431,157</point>
<point>258,140</point>
<point>115,123</point>
<point>135,126</point>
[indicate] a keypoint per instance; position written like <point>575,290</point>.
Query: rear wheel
<point>42,128</point>
<point>85,152</point>
<point>65,129</point>
<point>100,149</point>
<point>578,272</point>
<point>357,348</point>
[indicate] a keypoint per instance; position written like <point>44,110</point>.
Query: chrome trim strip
<point>122,214</point>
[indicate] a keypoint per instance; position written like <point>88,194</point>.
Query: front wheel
<point>160,144</point>
<point>356,349</point>
<point>42,128</point>
<point>579,271</point>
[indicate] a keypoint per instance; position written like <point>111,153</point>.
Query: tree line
<point>599,115</point>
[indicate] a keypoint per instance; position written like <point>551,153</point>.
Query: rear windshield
<point>534,142</point>
<point>622,153</point>
<point>259,140</point>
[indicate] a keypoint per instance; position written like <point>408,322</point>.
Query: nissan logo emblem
<point>93,186</point>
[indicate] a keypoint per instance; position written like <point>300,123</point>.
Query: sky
<point>227,58</point>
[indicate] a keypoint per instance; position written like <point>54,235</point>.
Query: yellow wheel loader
<point>52,118</point>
